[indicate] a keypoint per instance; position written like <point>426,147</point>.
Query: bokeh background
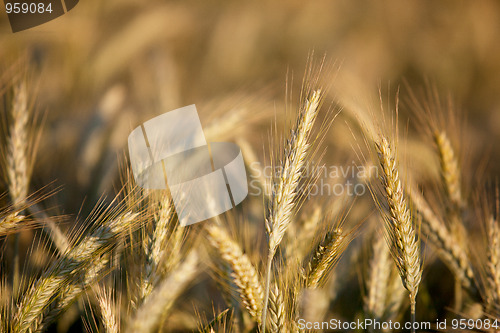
<point>107,66</point>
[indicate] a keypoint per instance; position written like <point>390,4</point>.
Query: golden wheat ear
<point>243,272</point>
<point>107,309</point>
<point>60,284</point>
<point>284,190</point>
<point>324,257</point>
<point>492,265</point>
<point>445,242</point>
<point>161,300</point>
<point>400,231</point>
<point>379,272</point>
<point>385,292</point>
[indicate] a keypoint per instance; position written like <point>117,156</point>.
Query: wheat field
<point>368,132</point>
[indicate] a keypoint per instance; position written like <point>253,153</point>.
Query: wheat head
<point>403,240</point>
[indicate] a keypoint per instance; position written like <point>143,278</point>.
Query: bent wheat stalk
<point>284,192</point>
<point>70,267</point>
<point>446,243</point>
<point>450,174</point>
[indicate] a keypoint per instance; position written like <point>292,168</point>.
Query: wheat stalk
<point>395,295</point>
<point>17,151</point>
<point>379,269</point>
<point>20,154</point>
<point>17,163</point>
<point>70,292</point>
<point>156,249</point>
<point>10,223</point>
<point>325,256</point>
<point>450,170</point>
<point>108,310</point>
<point>276,309</point>
<point>493,262</point>
<point>403,241</point>
<point>450,174</point>
<point>65,270</point>
<point>448,247</point>
<point>244,274</point>
<point>161,300</point>
<point>284,192</point>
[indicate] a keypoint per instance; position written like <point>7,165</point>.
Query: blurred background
<point>105,67</point>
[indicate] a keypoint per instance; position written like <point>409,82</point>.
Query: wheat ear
<point>155,251</point>
<point>285,191</point>
<point>108,311</point>
<point>19,160</point>
<point>70,267</point>
<point>450,170</point>
<point>450,173</point>
<point>403,241</point>
<point>17,154</point>
<point>70,292</point>
<point>10,223</point>
<point>244,274</point>
<point>493,264</point>
<point>379,269</point>
<point>325,256</point>
<point>449,250</point>
<point>276,309</point>
<point>17,163</point>
<point>161,300</point>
